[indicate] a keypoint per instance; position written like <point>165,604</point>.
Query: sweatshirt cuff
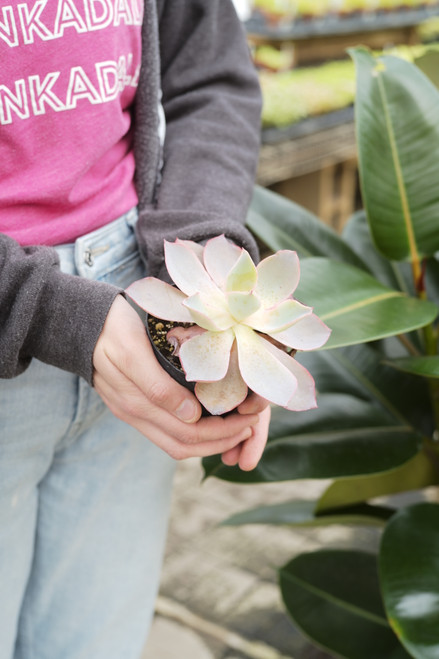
<point>72,313</point>
<point>155,226</point>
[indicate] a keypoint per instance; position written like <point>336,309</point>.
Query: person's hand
<point>137,390</point>
<point>248,453</point>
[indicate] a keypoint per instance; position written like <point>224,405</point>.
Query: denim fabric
<point>84,500</point>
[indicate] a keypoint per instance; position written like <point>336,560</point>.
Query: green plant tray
<point>307,126</point>
<point>330,25</point>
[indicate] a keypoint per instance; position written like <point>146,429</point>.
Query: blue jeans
<point>84,499</point>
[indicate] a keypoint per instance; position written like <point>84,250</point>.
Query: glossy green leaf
<point>360,371</point>
<point>396,275</point>
<point>432,279</point>
<point>329,442</point>
<point>429,64</point>
<point>334,598</point>
<point>282,224</point>
<point>398,154</point>
<point>356,234</point>
<point>303,513</point>
<point>409,572</point>
<point>417,473</point>
<point>356,306</point>
<point>426,366</point>
<point>342,437</point>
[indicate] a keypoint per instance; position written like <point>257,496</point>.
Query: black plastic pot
<point>176,373</point>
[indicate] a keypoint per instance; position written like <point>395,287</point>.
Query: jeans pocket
<point>126,271</point>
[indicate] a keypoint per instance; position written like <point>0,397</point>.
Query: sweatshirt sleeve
<point>47,314</point>
<point>212,103</point>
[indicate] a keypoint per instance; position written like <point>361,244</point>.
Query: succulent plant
<point>248,321</point>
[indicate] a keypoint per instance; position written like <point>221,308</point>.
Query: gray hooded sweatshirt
<point>194,52</point>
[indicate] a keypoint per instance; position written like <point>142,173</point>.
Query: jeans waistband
<point>93,254</point>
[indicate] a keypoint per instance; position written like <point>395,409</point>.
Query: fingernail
<point>187,411</point>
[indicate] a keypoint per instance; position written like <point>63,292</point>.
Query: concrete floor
<point>219,597</point>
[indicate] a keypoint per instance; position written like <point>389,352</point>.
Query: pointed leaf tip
<point>226,394</point>
<point>243,276</point>
<point>278,277</point>
<point>206,357</point>
<point>219,258</point>
<point>159,299</point>
<point>261,370</point>
<point>186,270</point>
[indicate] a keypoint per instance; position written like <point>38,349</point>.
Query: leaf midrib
<point>337,601</point>
<point>342,434</point>
<point>372,388</point>
<point>414,254</point>
<point>361,304</point>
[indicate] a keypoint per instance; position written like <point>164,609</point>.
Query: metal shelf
<point>307,126</point>
<point>332,25</point>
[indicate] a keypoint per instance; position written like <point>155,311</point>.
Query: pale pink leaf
<point>226,394</point>
<point>186,270</point>
<point>308,333</point>
<point>262,372</point>
<point>243,276</point>
<point>219,258</point>
<point>304,398</point>
<point>159,299</point>
<point>209,311</point>
<point>196,248</point>
<point>279,317</point>
<point>278,277</point>
<point>206,357</point>
<point>242,305</point>
<point>178,334</point>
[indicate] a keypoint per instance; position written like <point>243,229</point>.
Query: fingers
<point>174,445</point>
<point>253,404</point>
<point>209,436</point>
<point>231,458</point>
<point>253,448</point>
<point>123,344</point>
<point>180,451</point>
<point>163,392</point>
<point>248,454</point>
<point>127,402</point>
<point>137,390</point>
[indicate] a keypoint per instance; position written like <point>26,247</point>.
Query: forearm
<point>47,314</point>
<point>212,105</point>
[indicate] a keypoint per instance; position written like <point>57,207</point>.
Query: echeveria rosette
<point>247,311</point>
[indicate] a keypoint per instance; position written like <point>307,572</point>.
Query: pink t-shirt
<point>68,76</point>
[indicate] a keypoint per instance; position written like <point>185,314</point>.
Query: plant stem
<point>430,338</point>
<point>430,335</point>
<point>418,277</point>
<point>431,341</point>
<point>434,393</point>
<point>408,345</point>
<point>431,449</point>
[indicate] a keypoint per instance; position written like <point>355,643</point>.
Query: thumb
<point>125,343</point>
